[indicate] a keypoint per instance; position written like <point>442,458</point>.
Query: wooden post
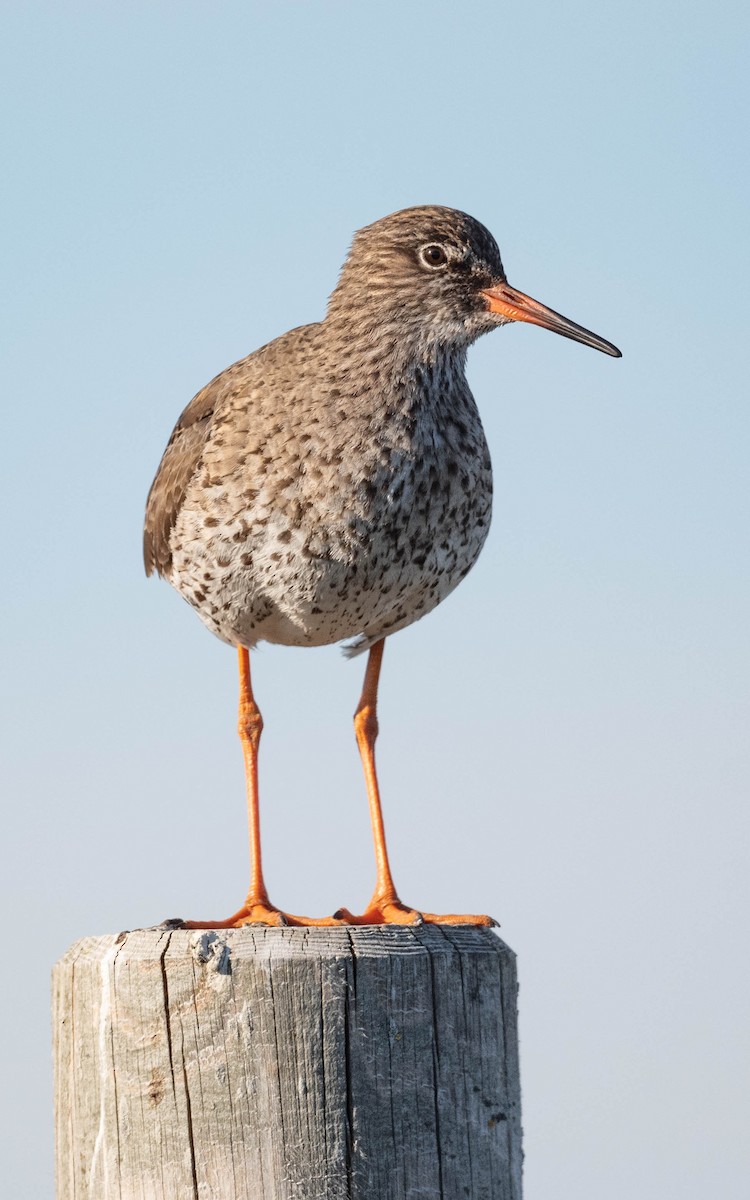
<point>288,1064</point>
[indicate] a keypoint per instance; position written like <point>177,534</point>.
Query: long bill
<point>515,306</point>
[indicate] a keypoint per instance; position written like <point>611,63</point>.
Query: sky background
<point>564,742</point>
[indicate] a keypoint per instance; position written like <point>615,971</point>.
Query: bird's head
<point>436,275</point>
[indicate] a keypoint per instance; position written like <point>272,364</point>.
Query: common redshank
<point>336,484</point>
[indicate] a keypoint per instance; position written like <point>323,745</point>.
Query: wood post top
<point>355,941</point>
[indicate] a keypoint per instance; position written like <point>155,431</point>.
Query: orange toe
<point>262,912</point>
<point>314,922</point>
<point>385,912</point>
<point>478,919</point>
<point>256,913</point>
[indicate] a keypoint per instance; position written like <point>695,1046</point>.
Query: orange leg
<point>257,908</point>
<point>385,908</point>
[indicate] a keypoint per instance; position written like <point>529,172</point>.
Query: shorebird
<point>336,485</point>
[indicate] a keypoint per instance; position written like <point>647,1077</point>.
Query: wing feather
<point>179,463</point>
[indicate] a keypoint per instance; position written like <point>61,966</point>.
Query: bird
<point>336,485</point>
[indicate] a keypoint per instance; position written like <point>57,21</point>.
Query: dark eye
<point>433,256</point>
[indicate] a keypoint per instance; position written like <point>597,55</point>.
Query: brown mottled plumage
<point>336,484</point>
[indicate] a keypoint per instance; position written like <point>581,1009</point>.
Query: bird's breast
<point>354,526</point>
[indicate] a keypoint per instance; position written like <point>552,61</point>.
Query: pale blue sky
<point>564,742</point>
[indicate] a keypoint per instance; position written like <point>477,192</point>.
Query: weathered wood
<point>288,1064</point>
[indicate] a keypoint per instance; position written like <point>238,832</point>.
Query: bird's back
<point>176,469</point>
<point>184,452</point>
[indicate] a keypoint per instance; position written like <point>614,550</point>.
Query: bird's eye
<point>433,256</point>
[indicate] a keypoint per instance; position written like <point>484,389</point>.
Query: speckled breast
<point>366,527</point>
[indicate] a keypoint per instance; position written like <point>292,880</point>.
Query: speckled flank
<point>336,484</point>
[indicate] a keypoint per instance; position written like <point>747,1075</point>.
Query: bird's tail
<point>358,646</point>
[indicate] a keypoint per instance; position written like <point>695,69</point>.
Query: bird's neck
<point>393,350</point>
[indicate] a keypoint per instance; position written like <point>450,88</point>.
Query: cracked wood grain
<point>288,1064</point>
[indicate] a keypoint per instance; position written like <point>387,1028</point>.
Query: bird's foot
<point>260,911</point>
<point>382,912</point>
<point>388,910</point>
